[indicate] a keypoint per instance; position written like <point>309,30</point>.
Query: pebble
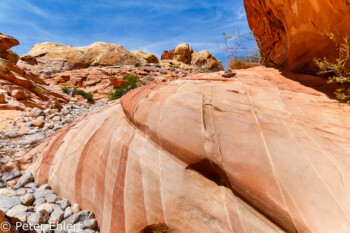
<point>45,206</point>
<point>22,200</point>
<point>17,209</point>
<point>27,199</point>
<point>25,179</point>
<point>41,124</point>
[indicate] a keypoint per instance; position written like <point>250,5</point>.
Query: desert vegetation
<point>75,91</point>
<point>131,82</point>
<point>338,71</point>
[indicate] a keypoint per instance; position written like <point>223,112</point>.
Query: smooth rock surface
<point>293,33</point>
<point>209,154</point>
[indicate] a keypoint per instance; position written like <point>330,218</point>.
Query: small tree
<point>338,71</point>
<point>241,50</point>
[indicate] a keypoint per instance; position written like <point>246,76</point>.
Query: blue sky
<point>149,25</point>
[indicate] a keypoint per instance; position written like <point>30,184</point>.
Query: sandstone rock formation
<point>7,42</point>
<point>208,154</point>
<point>191,60</point>
<point>97,54</point>
<point>206,60</point>
<point>145,57</point>
<point>293,33</point>
<point>182,53</point>
<point>19,89</point>
<point>168,55</point>
<point>101,81</point>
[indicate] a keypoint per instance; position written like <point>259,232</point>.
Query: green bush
<point>132,82</point>
<point>338,71</point>
<point>86,95</point>
<point>137,64</point>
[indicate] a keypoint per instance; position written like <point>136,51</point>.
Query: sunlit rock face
<point>256,153</point>
<point>97,54</point>
<point>293,33</point>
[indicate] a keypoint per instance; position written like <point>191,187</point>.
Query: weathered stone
<point>18,94</point>
<point>9,202</point>
<point>7,192</point>
<point>35,112</point>
<point>46,206</point>
<point>97,54</point>
<point>31,185</point>
<point>64,203</point>
<point>44,187</point>
<point>206,60</point>
<point>90,224</point>
<point>168,55</point>
<point>21,192</point>
<point>56,217</point>
<point>68,212</point>
<point>11,175</point>
<point>38,123</point>
<point>229,74</point>
<point>39,201</point>
<point>56,118</point>
<point>17,209</point>
<point>26,178</point>
<point>183,53</point>
<point>78,217</point>
<point>27,199</point>
<point>42,193</point>
<point>75,208</point>
<point>39,217</point>
<point>51,198</point>
<point>23,217</point>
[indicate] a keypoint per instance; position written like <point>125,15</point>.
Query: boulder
<point>29,59</point>
<point>168,55</point>
<point>145,57</point>
<point>292,33</point>
<point>38,123</point>
<point>209,154</point>
<point>206,60</point>
<point>19,94</point>
<point>97,54</point>
<point>183,53</point>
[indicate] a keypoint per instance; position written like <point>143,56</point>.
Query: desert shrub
<point>66,90</point>
<point>52,72</point>
<point>137,64</point>
<point>241,50</point>
<point>74,91</point>
<point>132,82</point>
<point>338,71</point>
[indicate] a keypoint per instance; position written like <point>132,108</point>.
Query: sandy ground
<point>8,117</point>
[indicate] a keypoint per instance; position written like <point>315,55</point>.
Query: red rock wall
<point>252,154</point>
<point>168,55</point>
<point>293,33</point>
